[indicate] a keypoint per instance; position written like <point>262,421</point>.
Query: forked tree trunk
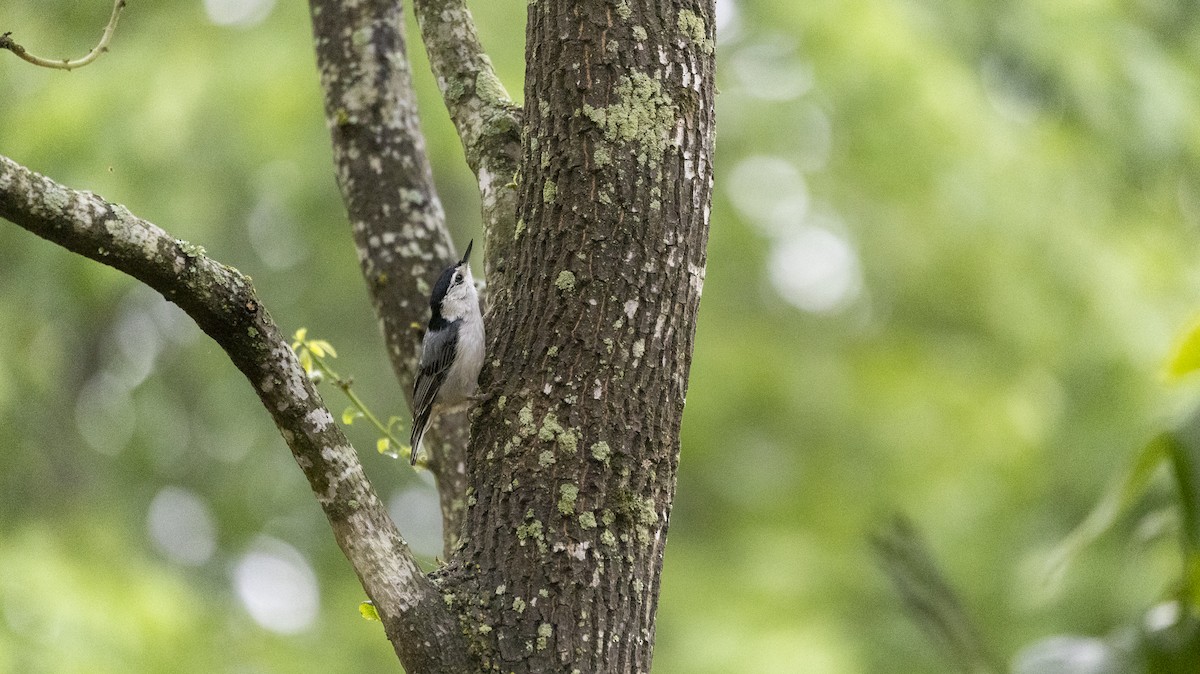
<point>557,510</point>
<point>592,315</point>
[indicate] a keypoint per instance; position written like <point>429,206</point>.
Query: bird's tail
<point>420,425</point>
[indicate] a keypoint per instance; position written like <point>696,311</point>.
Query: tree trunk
<point>593,307</point>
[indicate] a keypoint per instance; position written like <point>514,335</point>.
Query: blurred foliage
<point>952,245</point>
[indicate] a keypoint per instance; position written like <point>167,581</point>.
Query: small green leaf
<point>315,347</point>
<point>300,335</point>
<point>306,361</point>
<point>382,445</point>
<point>367,609</point>
<point>1185,358</point>
<point>323,346</point>
<point>349,415</point>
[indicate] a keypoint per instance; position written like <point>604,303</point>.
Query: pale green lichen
<point>501,402</point>
<point>501,589</point>
<point>608,539</point>
<point>569,440</point>
<point>639,33</point>
<point>552,351</point>
<point>489,88</point>
<point>567,494</point>
<point>587,520</point>
<point>531,530</point>
<point>623,10</point>
<point>639,348</point>
<point>190,250</point>
<point>546,459</point>
<point>525,417</point>
<point>485,629</point>
<point>456,88</point>
<point>602,156</point>
<point>565,280</point>
<point>518,605</point>
<point>601,452</point>
<point>643,114</point>
<point>550,427</point>
<point>520,228</point>
<point>549,189</point>
<point>545,631</point>
<point>694,29</point>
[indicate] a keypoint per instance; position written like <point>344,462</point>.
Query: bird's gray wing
<point>437,354</point>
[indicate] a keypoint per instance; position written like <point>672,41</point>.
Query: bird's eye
<point>457,279</point>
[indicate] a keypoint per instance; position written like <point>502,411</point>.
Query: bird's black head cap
<point>443,286</point>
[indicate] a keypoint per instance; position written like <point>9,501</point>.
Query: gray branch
<point>489,123</point>
<point>222,302</point>
<point>386,182</point>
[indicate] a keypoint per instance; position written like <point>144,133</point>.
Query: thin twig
<point>6,42</point>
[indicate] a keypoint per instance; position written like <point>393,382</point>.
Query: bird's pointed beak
<point>467,255</point>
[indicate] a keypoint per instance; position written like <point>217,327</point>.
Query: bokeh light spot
<point>770,192</point>
<point>238,12</point>
<point>277,586</point>
<point>815,270</point>
<point>181,526</point>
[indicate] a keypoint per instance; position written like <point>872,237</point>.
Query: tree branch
<point>488,122</point>
<point>222,302</point>
<point>6,42</point>
<point>387,185</point>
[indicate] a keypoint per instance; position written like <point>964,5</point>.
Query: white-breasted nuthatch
<point>452,352</point>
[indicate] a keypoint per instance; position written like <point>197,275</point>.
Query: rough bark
<point>223,303</point>
<point>573,459</point>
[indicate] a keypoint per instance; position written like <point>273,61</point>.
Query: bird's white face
<point>461,298</point>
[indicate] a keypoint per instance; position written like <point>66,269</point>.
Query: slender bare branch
<point>387,184</point>
<point>489,123</point>
<point>6,42</point>
<point>222,302</point>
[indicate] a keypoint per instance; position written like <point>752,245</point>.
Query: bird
<point>452,350</point>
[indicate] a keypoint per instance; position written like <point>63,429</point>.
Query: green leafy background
<point>953,244</point>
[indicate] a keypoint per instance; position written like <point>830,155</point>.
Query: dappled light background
<point>952,244</point>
